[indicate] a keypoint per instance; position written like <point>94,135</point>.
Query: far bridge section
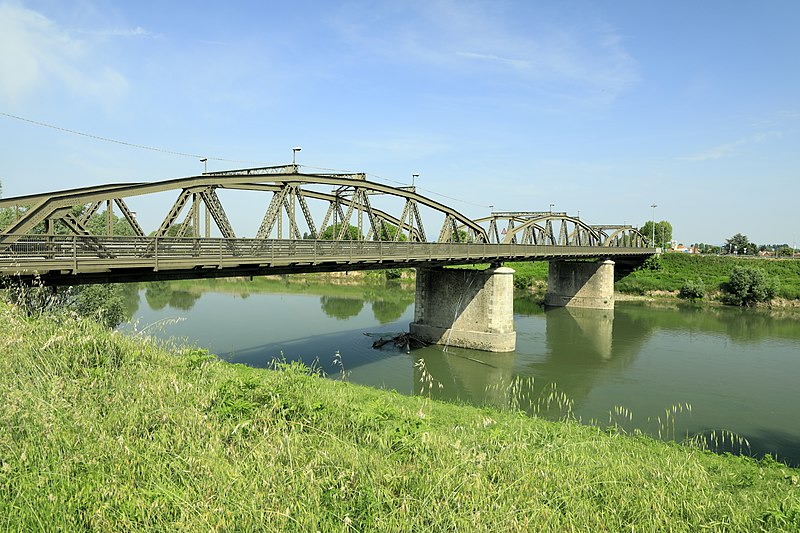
<point>308,223</point>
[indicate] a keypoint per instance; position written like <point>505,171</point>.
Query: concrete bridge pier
<point>580,284</point>
<point>466,308</point>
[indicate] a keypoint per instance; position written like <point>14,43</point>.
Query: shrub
<point>748,286</point>
<point>692,289</point>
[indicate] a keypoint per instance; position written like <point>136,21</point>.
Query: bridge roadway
<point>74,259</point>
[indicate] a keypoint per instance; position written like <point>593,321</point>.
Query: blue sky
<point>602,108</point>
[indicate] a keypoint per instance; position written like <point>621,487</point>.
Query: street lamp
<point>491,209</point>
<point>653,226</point>
<point>414,176</point>
<point>551,208</point>
<point>294,154</point>
<point>203,160</point>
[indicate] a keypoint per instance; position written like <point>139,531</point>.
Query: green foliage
<point>714,270</point>
<point>332,232</point>
<point>108,432</point>
<point>693,289</point>
<point>98,225</point>
<point>103,303</point>
<point>393,273</point>
<point>652,263</point>
<point>740,245</point>
<point>662,233</point>
<point>341,308</point>
<point>389,231</point>
<point>748,286</point>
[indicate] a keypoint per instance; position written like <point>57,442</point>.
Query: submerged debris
<point>401,340</point>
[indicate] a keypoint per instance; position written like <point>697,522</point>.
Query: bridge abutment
<point>580,284</point>
<point>466,308</point>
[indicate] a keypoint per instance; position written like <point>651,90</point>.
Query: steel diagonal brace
<point>272,213</point>
<point>89,213</point>
<point>292,223</point>
<point>128,214</point>
<point>214,205</point>
<point>174,213</point>
<point>93,243</point>
<point>307,214</point>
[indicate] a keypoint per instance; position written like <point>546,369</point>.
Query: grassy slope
<point>111,432</point>
<point>713,270</point>
<point>677,269</point>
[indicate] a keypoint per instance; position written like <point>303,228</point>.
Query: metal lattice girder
<point>420,229</point>
<point>375,222</point>
<point>36,214</point>
<point>174,212</point>
<point>128,214</point>
<point>190,216</point>
<point>449,231</point>
<point>294,232</point>
<point>217,212</point>
<point>273,212</point>
<point>74,224</point>
<point>88,213</point>
<point>271,178</point>
<point>307,214</point>
<point>345,223</point>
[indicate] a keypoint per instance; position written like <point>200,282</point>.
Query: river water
<point>727,375</point>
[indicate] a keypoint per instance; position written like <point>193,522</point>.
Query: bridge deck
<point>81,259</point>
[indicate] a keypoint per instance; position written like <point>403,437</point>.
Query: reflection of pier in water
<point>579,344</point>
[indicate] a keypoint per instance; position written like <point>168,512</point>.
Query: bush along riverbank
<point>117,433</point>
<point>673,274</point>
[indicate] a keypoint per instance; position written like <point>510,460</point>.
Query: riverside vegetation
<point>120,432</point>
<point>691,277</point>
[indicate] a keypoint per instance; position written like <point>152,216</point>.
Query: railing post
<point>155,247</point>
<point>74,254</point>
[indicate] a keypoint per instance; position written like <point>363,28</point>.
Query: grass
<point>675,270</point>
<point>713,271</point>
<point>117,433</point>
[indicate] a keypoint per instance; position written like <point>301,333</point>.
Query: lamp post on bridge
<point>551,208</point>
<point>414,176</point>
<point>653,226</point>
<point>294,154</point>
<point>204,160</point>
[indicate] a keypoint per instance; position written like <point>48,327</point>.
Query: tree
<point>351,234</point>
<point>741,245</point>
<point>748,286</point>
<point>662,232</point>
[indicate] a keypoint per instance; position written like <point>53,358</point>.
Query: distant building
<point>680,248</point>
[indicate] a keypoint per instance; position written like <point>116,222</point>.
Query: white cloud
<point>36,54</point>
<point>486,40</point>
<point>730,149</point>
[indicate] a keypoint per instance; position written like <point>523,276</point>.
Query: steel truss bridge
<point>311,223</point>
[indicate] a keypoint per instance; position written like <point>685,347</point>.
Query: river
<point>726,375</point>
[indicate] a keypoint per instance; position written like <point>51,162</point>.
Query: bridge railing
<point>69,253</point>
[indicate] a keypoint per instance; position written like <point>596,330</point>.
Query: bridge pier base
<point>466,308</point>
<point>580,284</point>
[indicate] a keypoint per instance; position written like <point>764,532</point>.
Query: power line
<point>200,156</point>
<point>124,143</point>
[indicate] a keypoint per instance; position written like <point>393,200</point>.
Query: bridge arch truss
<point>302,205</point>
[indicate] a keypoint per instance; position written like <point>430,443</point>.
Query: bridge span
<point>311,223</point>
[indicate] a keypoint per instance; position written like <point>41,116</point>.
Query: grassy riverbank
<point>117,433</point>
<point>675,269</point>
